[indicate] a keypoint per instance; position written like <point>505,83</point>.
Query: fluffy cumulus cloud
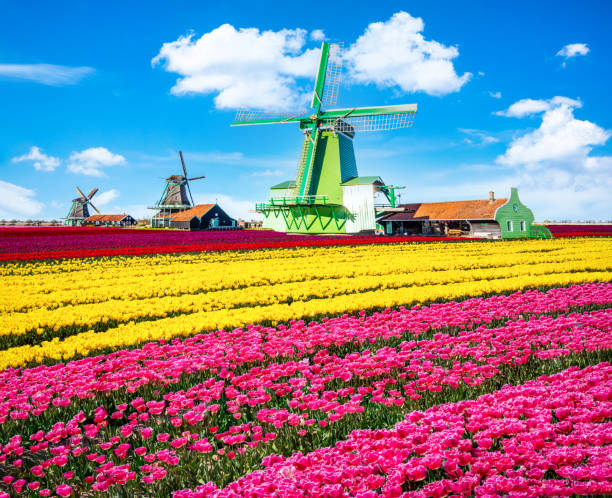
<point>243,67</point>
<point>317,35</point>
<point>555,160</point>
<point>106,197</point>
<point>273,70</point>
<point>41,161</point>
<point>47,74</point>
<point>396,54</point>
<point>560,138</point>
<point>91,161</point>
<point>573,50</point>
<point>18,202</point>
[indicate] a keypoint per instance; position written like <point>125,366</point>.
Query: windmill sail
<point>303,177</point>
<point>332,75</point>
<point>250,117</point>
<point>372,123</point>
<point>390,117</point>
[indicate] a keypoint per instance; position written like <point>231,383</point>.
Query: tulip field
<point>324,367</point>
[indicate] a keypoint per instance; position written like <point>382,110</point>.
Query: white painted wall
<point>359,200</point>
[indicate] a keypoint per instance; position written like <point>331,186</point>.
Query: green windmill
<point>328,195</point>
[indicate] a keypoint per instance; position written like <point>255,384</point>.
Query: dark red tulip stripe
<point>549,437</point>
<point>24,244</point>
<point>579,230</point>
<point>238,410</point>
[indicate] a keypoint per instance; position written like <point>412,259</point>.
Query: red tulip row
<point>313,241</point>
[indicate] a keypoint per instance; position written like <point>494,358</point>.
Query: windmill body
<point>175,198</point>
<point>79,210</point>
<point>328,195</point>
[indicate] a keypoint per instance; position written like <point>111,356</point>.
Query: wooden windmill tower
<point>328,195</point>
<point>175,197</point>
<point>79,210</point>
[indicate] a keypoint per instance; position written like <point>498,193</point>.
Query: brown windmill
<point>79,210</point>
<point>174,198</point>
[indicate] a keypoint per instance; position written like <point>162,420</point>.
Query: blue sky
<point>105,94</point>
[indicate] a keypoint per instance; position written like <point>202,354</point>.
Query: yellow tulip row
<point>230,289</point>
<point>266,294</point>
<point>188,324</point>
<point>77,284</point>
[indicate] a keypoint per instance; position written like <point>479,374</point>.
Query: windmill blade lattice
<point>332,75</point>
<point>374,122</point>
<point>249,115</point>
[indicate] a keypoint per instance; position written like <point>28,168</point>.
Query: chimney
<point>491,197</point>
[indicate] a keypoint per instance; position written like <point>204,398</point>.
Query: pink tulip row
<point>549,437</point>
<point>112,442</point>
<point>31,392</point>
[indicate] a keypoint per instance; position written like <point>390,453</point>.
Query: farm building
<point>108,220</point>
<point>202,217</point>
<point>488,218</point>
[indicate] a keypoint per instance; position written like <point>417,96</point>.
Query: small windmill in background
<point>79,210</point>
<point>175,198</point>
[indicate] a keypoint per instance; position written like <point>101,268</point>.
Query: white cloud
<point>478,137</point>
<point>395,54</point>
<point>105,197</point>
<point>526,107</point>
<point>18,202</point>
<point>560,138</point>
<point>244,67</point>
<point>495,95</point>
<point>269,172</point>
<point>573,49</point>
<point>553,166</point>
<point>42,162</point>
<point>91,161</point>
<point>256,69</point>
<point>47,74</point>
<point>236,208</point>
<point>317,35</point>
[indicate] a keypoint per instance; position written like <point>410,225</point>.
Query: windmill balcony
<point>306,200</point>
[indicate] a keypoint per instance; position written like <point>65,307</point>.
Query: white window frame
<point>523,226</point>
<point>509,226</point>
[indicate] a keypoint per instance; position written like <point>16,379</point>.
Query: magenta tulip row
<point>548,437</point>
<point>31,392</point>
<point>106,446</point>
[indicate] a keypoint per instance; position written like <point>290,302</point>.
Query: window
<point>523,226</point>
<point>509,225</point>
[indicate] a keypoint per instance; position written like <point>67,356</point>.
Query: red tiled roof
<point>452,210</point>
<point>197,210</point>
<point>106,217</point>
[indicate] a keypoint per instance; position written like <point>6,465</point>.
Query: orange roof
<point>106,217</point>
<point>459,210</point>
<point>197,210</point>
<point>452,210</point>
